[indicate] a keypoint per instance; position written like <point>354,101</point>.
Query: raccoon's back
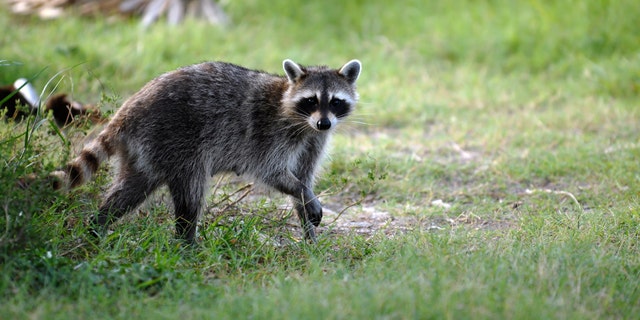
<point>198,111</point>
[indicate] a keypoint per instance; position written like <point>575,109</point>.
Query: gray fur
<point>292,70</point>
<point>187,125</point>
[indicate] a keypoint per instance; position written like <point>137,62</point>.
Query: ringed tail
<point>86,164</point>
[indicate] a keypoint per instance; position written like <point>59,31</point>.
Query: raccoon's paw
<point>313,211</point>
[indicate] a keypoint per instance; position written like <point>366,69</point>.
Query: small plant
<point>25,165</point>
<point>359,177</point>
<point>31,149</point>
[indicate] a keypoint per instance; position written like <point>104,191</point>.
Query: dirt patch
<point>366,218</point>
<point>369,220</point>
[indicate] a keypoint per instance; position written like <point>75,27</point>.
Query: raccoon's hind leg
<point>188,194</point>
<point>129,190</point>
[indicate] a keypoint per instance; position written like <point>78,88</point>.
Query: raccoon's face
<point>320,95</point>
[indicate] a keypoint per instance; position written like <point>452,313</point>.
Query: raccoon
<point>64,110</point>
<point>12,96</point>
<point>197,121</point>
<point>67,112</point>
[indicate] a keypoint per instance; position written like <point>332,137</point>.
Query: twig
<point>359,201</point>
<point>247,189</point>
<point>216,186</point>
<point>558,192</point>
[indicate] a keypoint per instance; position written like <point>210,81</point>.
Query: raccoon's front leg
<point>309,211</point>
<point>306,203</point>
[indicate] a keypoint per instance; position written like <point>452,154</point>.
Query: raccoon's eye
<point>337,103</point>
<point>306,106</point>
<point>339,107</point>
<point>310,101</point>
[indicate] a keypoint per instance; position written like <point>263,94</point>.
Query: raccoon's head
<point>320,95</point>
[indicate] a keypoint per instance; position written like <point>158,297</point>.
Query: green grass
<point>521,115</point>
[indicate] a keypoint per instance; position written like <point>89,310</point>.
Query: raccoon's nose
<point>324,124</point>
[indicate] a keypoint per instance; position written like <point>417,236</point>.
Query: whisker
<point>357,122</point>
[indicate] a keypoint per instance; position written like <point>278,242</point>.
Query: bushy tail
<point>85,165</point>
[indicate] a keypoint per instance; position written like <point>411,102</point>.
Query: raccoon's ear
<point>293,70</point>
<point>351,70</point>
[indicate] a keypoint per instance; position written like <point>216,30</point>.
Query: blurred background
<point>460,100</point>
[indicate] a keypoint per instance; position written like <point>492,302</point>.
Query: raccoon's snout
<point>324,124</point>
